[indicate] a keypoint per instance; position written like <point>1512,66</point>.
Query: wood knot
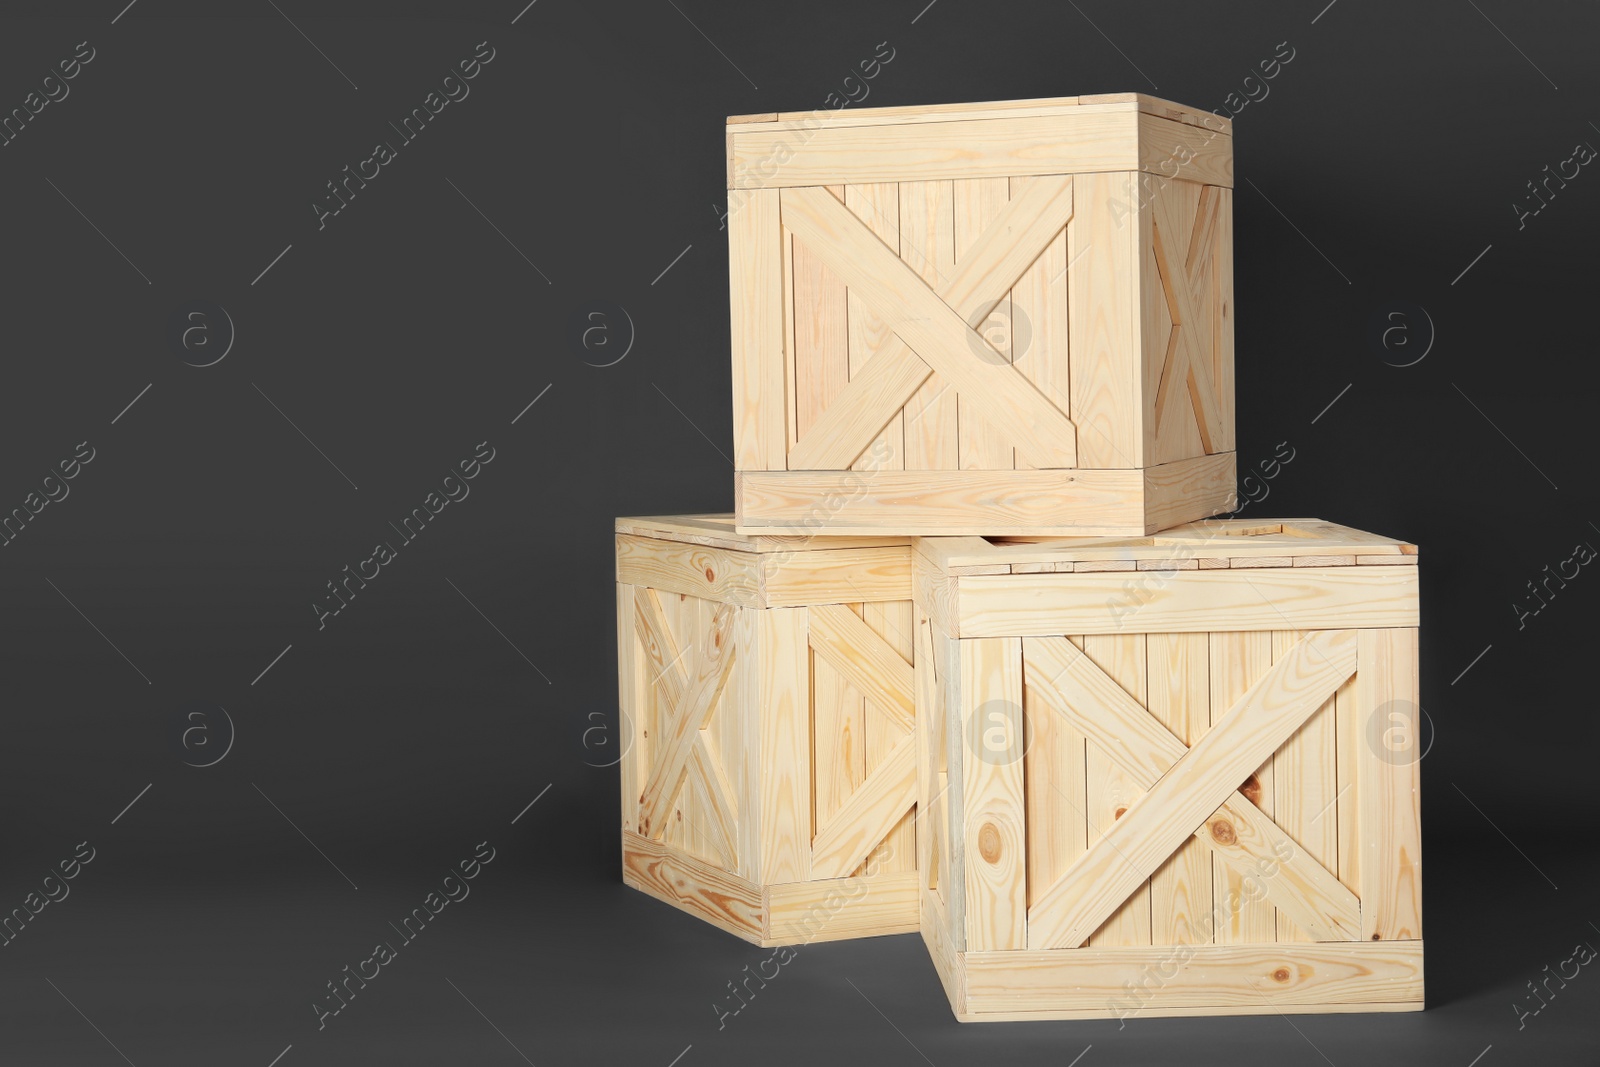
<point>1119,813</point>
<point>1251,789</point>
<point>711,575</point>
<point>1281,974</point>
<point>680,814</point>
<point>989,843</point>
<point>1376,937</point>
<point>1222,832</point>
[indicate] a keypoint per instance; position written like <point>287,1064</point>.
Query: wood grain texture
<point>1387,785</point>
<point>980,444</point>
<point>1305,791</point>
<point>726,901</point>
<point>1121,661</point>
<point>785,715</point>
<point>833,909</point>
<point>755,282</point>
<point>935,332</point>
<point>1179,698</point>
<point>1310,597</point>
<point>836,575</point>
<point>894,624</point>
<point>1193,980</point>
<point>1243,915</point>
<point>994,806</point>
<point>928,249</point>
<point>1103,325</point>
<point>672,567</point>
<point>1157,822</point>
<point>878,207</point>
<point>866,660</point>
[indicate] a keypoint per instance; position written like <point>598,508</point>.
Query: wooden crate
<point>1006,318</point>
<point>1171,775</point>
<point>766,691</point>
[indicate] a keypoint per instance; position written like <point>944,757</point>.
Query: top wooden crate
<point>992,319</point>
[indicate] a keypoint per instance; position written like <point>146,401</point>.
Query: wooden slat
<point>1187,489</point>
<point>1039,299</point>
<point>878,208</point>
<point>1310,597</point>
<point>929,830</point>
<point>993,824</point>
<point>928,249</point>
<point>739,739</point>
<point>756,300</point>
<point>724,900</point>
<point>799,912</point>
<point>710,573</point>
<point>894,624</point>
<point>1222,321</point>
<point>1095,139</point>
<point>935,332</point>
<point>1157,822</point>
<point>853,829</point>
<point>1055,777</point>
<point>945,503</point>
<point>785,714</point>
<point>1349,737</point>
<point>632,685</point>
<point>836,575</point>
<point>1192,373</point>
<point>838,746</point>
<point>712,658</point>
<point>951,693</point>
<point>1202,980</point>
<point>866,660</point>
<point>1120,661</point>
<point>998,258</point>
<point>821,328</point>
<point>1305,790</point>
<point>1243,915</point>
<point>1104,325</point>
<point>1252,847</point>
<point>1179,696</point>
<point>712,795</point>
<point>980,444</point>
<point>1390,833</point>
<point>1178,150</point>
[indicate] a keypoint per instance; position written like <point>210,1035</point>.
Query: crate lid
<point>1054,105</point>
<point>1206,545</point>
<point>717,531</point>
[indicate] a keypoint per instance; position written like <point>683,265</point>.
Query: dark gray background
<point>1386,157</point>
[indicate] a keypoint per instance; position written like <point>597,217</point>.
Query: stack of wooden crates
<point>972,657</point>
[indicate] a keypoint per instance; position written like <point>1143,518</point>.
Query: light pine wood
<point>770,718</point>
<point>1157,822</point>
<point>1103,327</point>
<point>1267,842</point>
<point>710,573</point>
<point>935,332</point>
<point>994,808</point>
<point>1179,697</point>
<point>876,669</point>
<point>799,912</point>
<point>1335,597</point>
<point>1039,298</point>
<point>986,289</point>
<point>1082,503</point>
<point>1091,139</point>
<point>724,900</point>
<point>1112,791</point>
<point>878,208</point>
<point>928,251</point>
<point>756,301</point>
<point>1201,980</point>
<point>980,444</point>
<point>894,623</point>
<point>1389,808</point>
<point>784,713</point>
<point>1305,790</point>
<point>855,827</point>
<point>1238,833</point>
<point>1242,915</point>
<point>836,575</point>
